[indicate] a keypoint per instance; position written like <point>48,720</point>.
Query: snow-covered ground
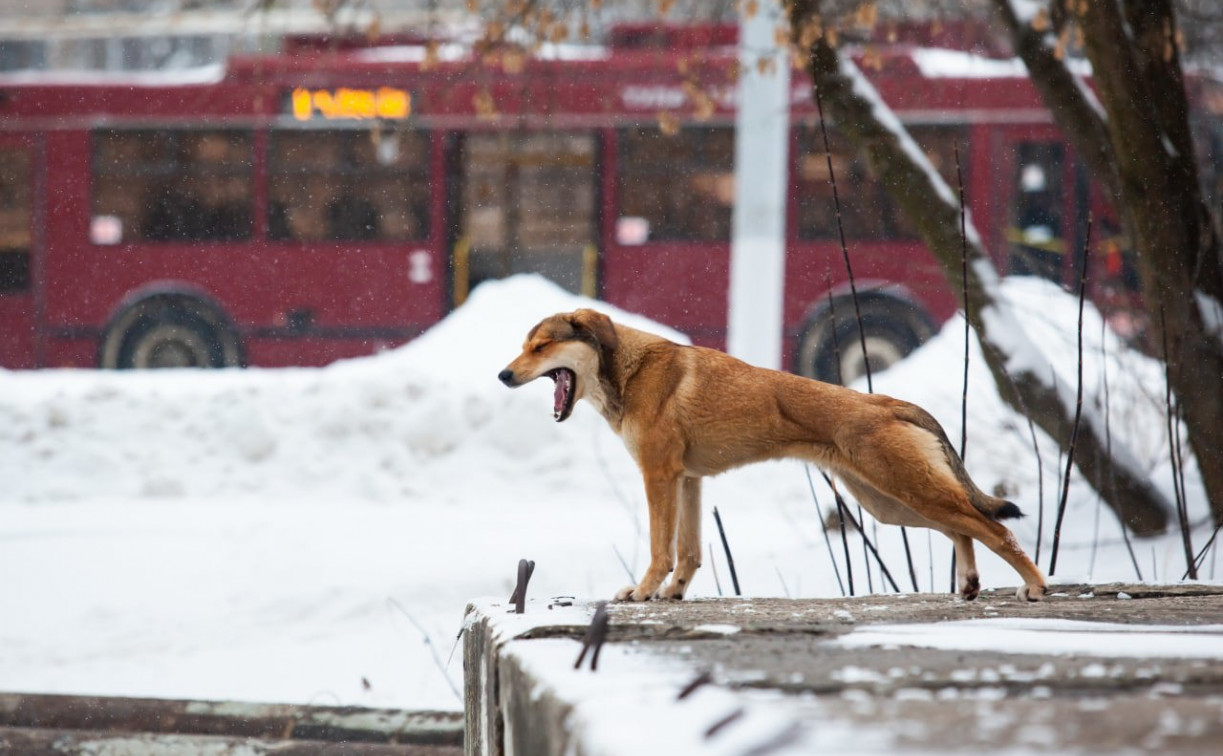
<point>313,535</point>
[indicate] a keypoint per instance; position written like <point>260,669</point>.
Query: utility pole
<point>758,236</point>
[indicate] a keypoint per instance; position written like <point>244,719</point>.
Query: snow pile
<point>409,423</point>
<point>289,535</point>
<point>1000,448</point>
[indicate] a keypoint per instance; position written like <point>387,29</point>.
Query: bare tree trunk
<point>930,205</point>
<point>1137,142</point>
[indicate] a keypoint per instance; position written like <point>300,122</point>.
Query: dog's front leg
<point>661,490</point>
<point>687,539</point>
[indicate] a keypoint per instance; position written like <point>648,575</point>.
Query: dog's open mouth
<point>564,395</point>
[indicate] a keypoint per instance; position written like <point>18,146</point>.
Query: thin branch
<point>866,541</point>
<point>1078,406</point>
<point>1108,442</point>
<point>1182,512</point>
<point>849,270</point>
<point>1201,557</point>
<point>730,560</point>
<point>437,660</point>
<point>959,175</point>
<point>1040,463</point>
<point>836,355</point>
<point>827,540</point>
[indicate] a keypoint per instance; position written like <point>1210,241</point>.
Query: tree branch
<point>930,205</point>
<point>1073,107</point>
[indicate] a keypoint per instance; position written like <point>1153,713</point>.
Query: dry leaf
<point>513,61</point>
<point>866,16</point>
<point>484,104</point>
<point>872,59</point>
<point>668,124</point>
<point>1041,22</point>
<point>703,107</point>
<point>431,55</point>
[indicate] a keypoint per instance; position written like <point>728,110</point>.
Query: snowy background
<point>313,535</point>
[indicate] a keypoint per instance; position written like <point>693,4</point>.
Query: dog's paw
<point>633,593</point>
<point>971,588</point>
<point>1030,593</point>
<point>672,592</point>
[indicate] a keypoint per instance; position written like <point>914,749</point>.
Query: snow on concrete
<point>1043,636</point>
<point>630,704</point>
<point>313,535</point>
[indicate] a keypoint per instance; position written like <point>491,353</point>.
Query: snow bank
<point>999,451</point>
<point>406,423</point>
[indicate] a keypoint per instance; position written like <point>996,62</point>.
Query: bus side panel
<point>20,245</point>
<point>76,292</point>
<point>683,286</point>
<point>306,351</point>
<point>17,341</point>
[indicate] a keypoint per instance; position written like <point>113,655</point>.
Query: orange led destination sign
<point>383,102</point>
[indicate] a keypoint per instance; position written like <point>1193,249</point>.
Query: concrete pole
<point>758,249</point>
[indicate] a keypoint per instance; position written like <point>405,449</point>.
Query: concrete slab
<point>1093,669</point>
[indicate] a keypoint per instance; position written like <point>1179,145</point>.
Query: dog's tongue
<point>561,392</point>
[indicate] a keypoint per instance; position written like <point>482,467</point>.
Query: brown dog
<point>686,412</point>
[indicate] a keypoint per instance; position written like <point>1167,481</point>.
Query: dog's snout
<point>506,376</point>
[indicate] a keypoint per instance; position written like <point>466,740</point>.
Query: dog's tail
<point>990,506</point>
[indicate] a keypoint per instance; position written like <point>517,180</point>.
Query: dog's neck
<point>603,392</point>
<point>616,370</point>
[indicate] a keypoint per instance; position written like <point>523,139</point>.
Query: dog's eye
<point>540,347</point>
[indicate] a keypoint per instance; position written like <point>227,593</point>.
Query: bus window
<point>1036,218</point>
<point>682,186</point>
<point>15,224</point>
<point>171,185</point>
<point>348,185</point>
<point>867,211</point>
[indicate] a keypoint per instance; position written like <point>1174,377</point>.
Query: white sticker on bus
<point>420,267</point>
<point>105,229</point>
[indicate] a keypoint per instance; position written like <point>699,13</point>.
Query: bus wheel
<point>168,334</point>
<point>838,358</point>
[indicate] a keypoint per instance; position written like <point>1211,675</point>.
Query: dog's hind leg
<point>890,510</point>
<point>662,492</point>
<point>967,577</point>
<point>687,538</point>
<point>1000,540</point>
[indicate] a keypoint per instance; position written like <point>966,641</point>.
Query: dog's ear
<point>598,325</point>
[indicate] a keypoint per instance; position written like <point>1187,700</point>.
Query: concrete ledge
<point>1093,669</point>
<point>34,724</point>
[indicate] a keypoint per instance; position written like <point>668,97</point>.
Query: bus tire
<point>836,356</point>
<point>170,332</point>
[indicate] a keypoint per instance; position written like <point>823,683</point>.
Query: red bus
<point>330,201</point>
